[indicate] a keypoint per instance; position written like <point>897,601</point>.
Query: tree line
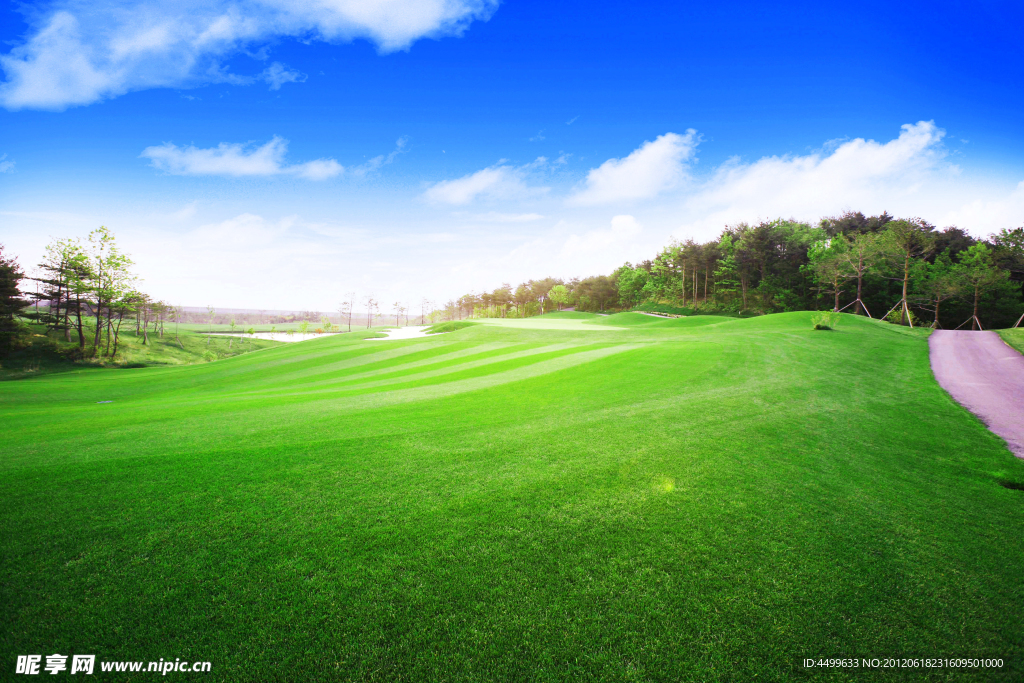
<point>87,292</point>
<point>905,270</point>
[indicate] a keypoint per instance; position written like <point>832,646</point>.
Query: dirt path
<point>985,376</point>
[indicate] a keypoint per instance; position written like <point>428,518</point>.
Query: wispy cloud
<point>377,162</point>
<point>648,171</point>
<point>497,217</point>
<point>237,159</point>
<point>277,74</point>
<point>572,120</point>
<point>6,166</point>
<point>81,52</point>
<point>495,182</point>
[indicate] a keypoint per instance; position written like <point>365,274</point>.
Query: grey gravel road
<point>985,376</point>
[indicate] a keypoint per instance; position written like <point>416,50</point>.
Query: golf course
<point>570,497</point>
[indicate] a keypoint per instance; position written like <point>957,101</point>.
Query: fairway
<point>582,498</point>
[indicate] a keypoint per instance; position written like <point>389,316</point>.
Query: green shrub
<point>825,320</point>
<point>450,326</point>
<point>895,317</point>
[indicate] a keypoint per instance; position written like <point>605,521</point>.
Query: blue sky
<point>278,155</point>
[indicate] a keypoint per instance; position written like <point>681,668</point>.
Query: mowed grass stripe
<point>186,426</point>
<point>678,511</point>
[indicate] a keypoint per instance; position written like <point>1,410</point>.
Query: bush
<point>450,326</point>
<point>209,356</point>
<point>896,317</point>
<point>825,320</point>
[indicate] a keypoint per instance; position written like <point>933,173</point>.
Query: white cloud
<point>380,160</point>
<point>650,170</point>
<point>277,74</point>
<point>907,175</point>
<point>498,217</point>
<point>624,231</point>
<point>6,166</point>
<point>236,159</point>
<point>80,52</point>
<point>494,182</point>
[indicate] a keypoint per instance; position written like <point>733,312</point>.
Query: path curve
<point>985,376</point>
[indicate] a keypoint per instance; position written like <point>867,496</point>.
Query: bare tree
<point>371,304</point>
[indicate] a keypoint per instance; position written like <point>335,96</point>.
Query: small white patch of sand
<point>279,336</point>
<point>408,332</point>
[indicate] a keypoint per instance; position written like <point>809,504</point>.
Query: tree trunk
<point>67,315</point>
<point>99,324</point>
<point>743,287</point>
<point>81,327</point>
<point>835,308</point>
<point>935,325</point>
<point>906,276</point>
<point>860,282</point>
<point>117,331</point>
<point>110,326</point>
<point>974,320</point>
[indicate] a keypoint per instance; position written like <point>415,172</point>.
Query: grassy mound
<point>567,315</point>
<point>676,502</point>
<point>664,308</point>
<point>450,326</point>
<point>1014,338</point>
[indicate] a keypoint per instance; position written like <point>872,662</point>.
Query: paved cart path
<point>985,376</point>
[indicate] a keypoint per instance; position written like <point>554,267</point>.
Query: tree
<point>860,255</point>
<point>558,295</point>
<point>345,311</point>
<point>977,273</point>
<point>110,277</point>
<point>903,241</point>
<point>829,264</point>
<point>371,304</point>
<point>11,302</point>
<point>209,316</point>
<point>64,264</point>
<point>177,310</point>
<point>631,282</point>
<point>937,282</point>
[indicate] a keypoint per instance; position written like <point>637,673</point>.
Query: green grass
<point>41,356</point>
<point>568,315</point>
<point>1014,337</point>
<point>450,326</point>
<point>673,502</point>
<point>652,307</point>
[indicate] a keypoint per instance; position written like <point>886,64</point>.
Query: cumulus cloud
<point>78,52</point>
<point>494,182</point>
<point>650,170</point>
<point>6,166</point>
<point>907,174</point>
<point>237,159</point>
